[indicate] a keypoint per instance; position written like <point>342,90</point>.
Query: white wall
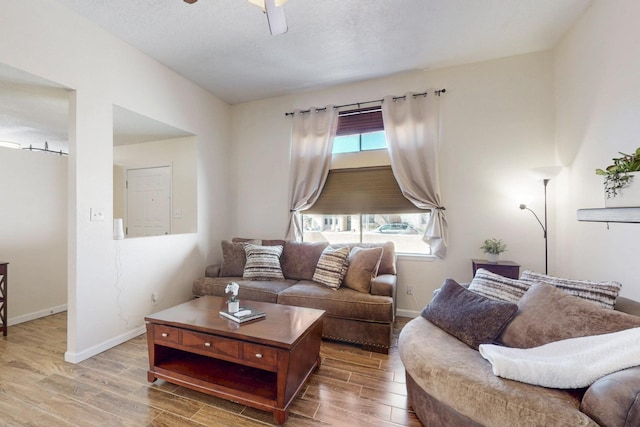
<point>110,282</point>
<point>497,123</point>
<point>598,109</point>
<point>179,153</point>
<point>33,232</point>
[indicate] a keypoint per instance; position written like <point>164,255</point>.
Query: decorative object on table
<point>544,173</point>
<point>493,248</point>
<point>618,181</point>
<point>233,302</point>
<point>244,314</point>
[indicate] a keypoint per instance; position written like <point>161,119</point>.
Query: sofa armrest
<point>212,270</point>
<point>614,400</point>
<point>385,285</point>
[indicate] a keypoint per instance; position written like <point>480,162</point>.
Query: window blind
<point>371,190</point>
<point>362,120</point>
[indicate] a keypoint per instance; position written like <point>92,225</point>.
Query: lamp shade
<point>546,172</point>
<point>118,229</point>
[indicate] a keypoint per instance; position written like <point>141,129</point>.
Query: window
<point>366,205</point>
<point>359,130</point>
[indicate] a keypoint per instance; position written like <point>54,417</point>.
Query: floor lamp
<point>545,173</point>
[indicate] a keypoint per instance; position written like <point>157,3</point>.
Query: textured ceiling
<point>225,45</point>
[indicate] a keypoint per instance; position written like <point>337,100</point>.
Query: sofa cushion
<point>363,267</point>
<point>601,293</point>
<point>547,314</point>
<point>331,267</point>
<point>344,302</point>
<point>299,259</point>
<point>254,290</point>
<point>497,287</point>
<point>263,262</point>
<point>470,317</point>
<point>233,258</point>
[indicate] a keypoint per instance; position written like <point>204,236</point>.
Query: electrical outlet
<point>409,290</point>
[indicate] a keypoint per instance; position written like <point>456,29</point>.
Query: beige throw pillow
<point>363,267</point>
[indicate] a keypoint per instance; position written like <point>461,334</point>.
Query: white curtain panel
<point>411,127</point>
<point>311,144</point>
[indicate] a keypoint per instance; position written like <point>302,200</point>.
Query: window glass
<point>373,141</point>
<point>404,230</point>
<point>346,144</point>
<point>359,142</point>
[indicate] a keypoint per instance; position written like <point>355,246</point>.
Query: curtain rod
<point>358,104</point>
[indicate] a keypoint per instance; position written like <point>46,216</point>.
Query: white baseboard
<point>103,346</point>
<point>36,315</point>
<point>407,313</point>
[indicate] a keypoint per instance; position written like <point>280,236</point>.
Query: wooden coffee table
<point>262,364</point>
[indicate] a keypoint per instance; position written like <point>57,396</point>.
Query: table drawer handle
<point>258,355</point>
<point>207,344</point>
<point>164,335</point>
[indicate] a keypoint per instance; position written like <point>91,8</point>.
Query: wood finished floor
<point>37,388</point>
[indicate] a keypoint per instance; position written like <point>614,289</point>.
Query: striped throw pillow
<point>263,262</point>
<point>602,293</point>
<point>331,267</point>
<point>498,287</point>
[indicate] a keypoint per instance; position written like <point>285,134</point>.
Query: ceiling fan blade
<point>276,18</point>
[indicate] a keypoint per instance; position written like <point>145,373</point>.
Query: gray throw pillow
<point>470,317</point>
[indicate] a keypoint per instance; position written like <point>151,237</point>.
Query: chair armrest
<point>212,270</point>
<point>385,285</point>
<point>614,400</point>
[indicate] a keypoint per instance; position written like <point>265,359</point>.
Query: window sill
<point>415,257</point>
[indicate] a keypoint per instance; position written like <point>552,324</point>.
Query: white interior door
<point>148,201</point>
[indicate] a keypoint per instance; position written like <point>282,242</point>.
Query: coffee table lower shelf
<point>219,377</point>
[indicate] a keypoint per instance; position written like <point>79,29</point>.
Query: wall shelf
<point>610,214</point>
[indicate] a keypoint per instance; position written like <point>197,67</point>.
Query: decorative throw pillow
<point>263,262</point>
<point>497,287</point>
<point>602,293</point>
<point>331,267</point>
<point>548,314</point>
<point>468,316</point>
<point>233,259</point>
<point>363,267</point>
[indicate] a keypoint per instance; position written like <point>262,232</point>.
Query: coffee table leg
<point>280,416</point>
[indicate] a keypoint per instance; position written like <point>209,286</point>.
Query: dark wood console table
<point>4,271</point>
<point>504,268</point>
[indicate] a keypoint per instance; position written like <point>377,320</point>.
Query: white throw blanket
<point>570,363</point>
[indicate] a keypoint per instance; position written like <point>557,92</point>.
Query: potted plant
<point>234,304</point>
<point>493,248</point>
<point>619,176</point>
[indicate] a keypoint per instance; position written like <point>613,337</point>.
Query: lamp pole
<point>546,245</point>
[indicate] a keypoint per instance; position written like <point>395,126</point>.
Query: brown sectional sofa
<point>451,384</point>
<point>351,316</point>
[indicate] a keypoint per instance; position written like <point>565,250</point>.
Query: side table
<point>504,268</point>
<point>4,271</point>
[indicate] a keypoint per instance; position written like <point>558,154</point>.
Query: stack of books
<point>245,314</point>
